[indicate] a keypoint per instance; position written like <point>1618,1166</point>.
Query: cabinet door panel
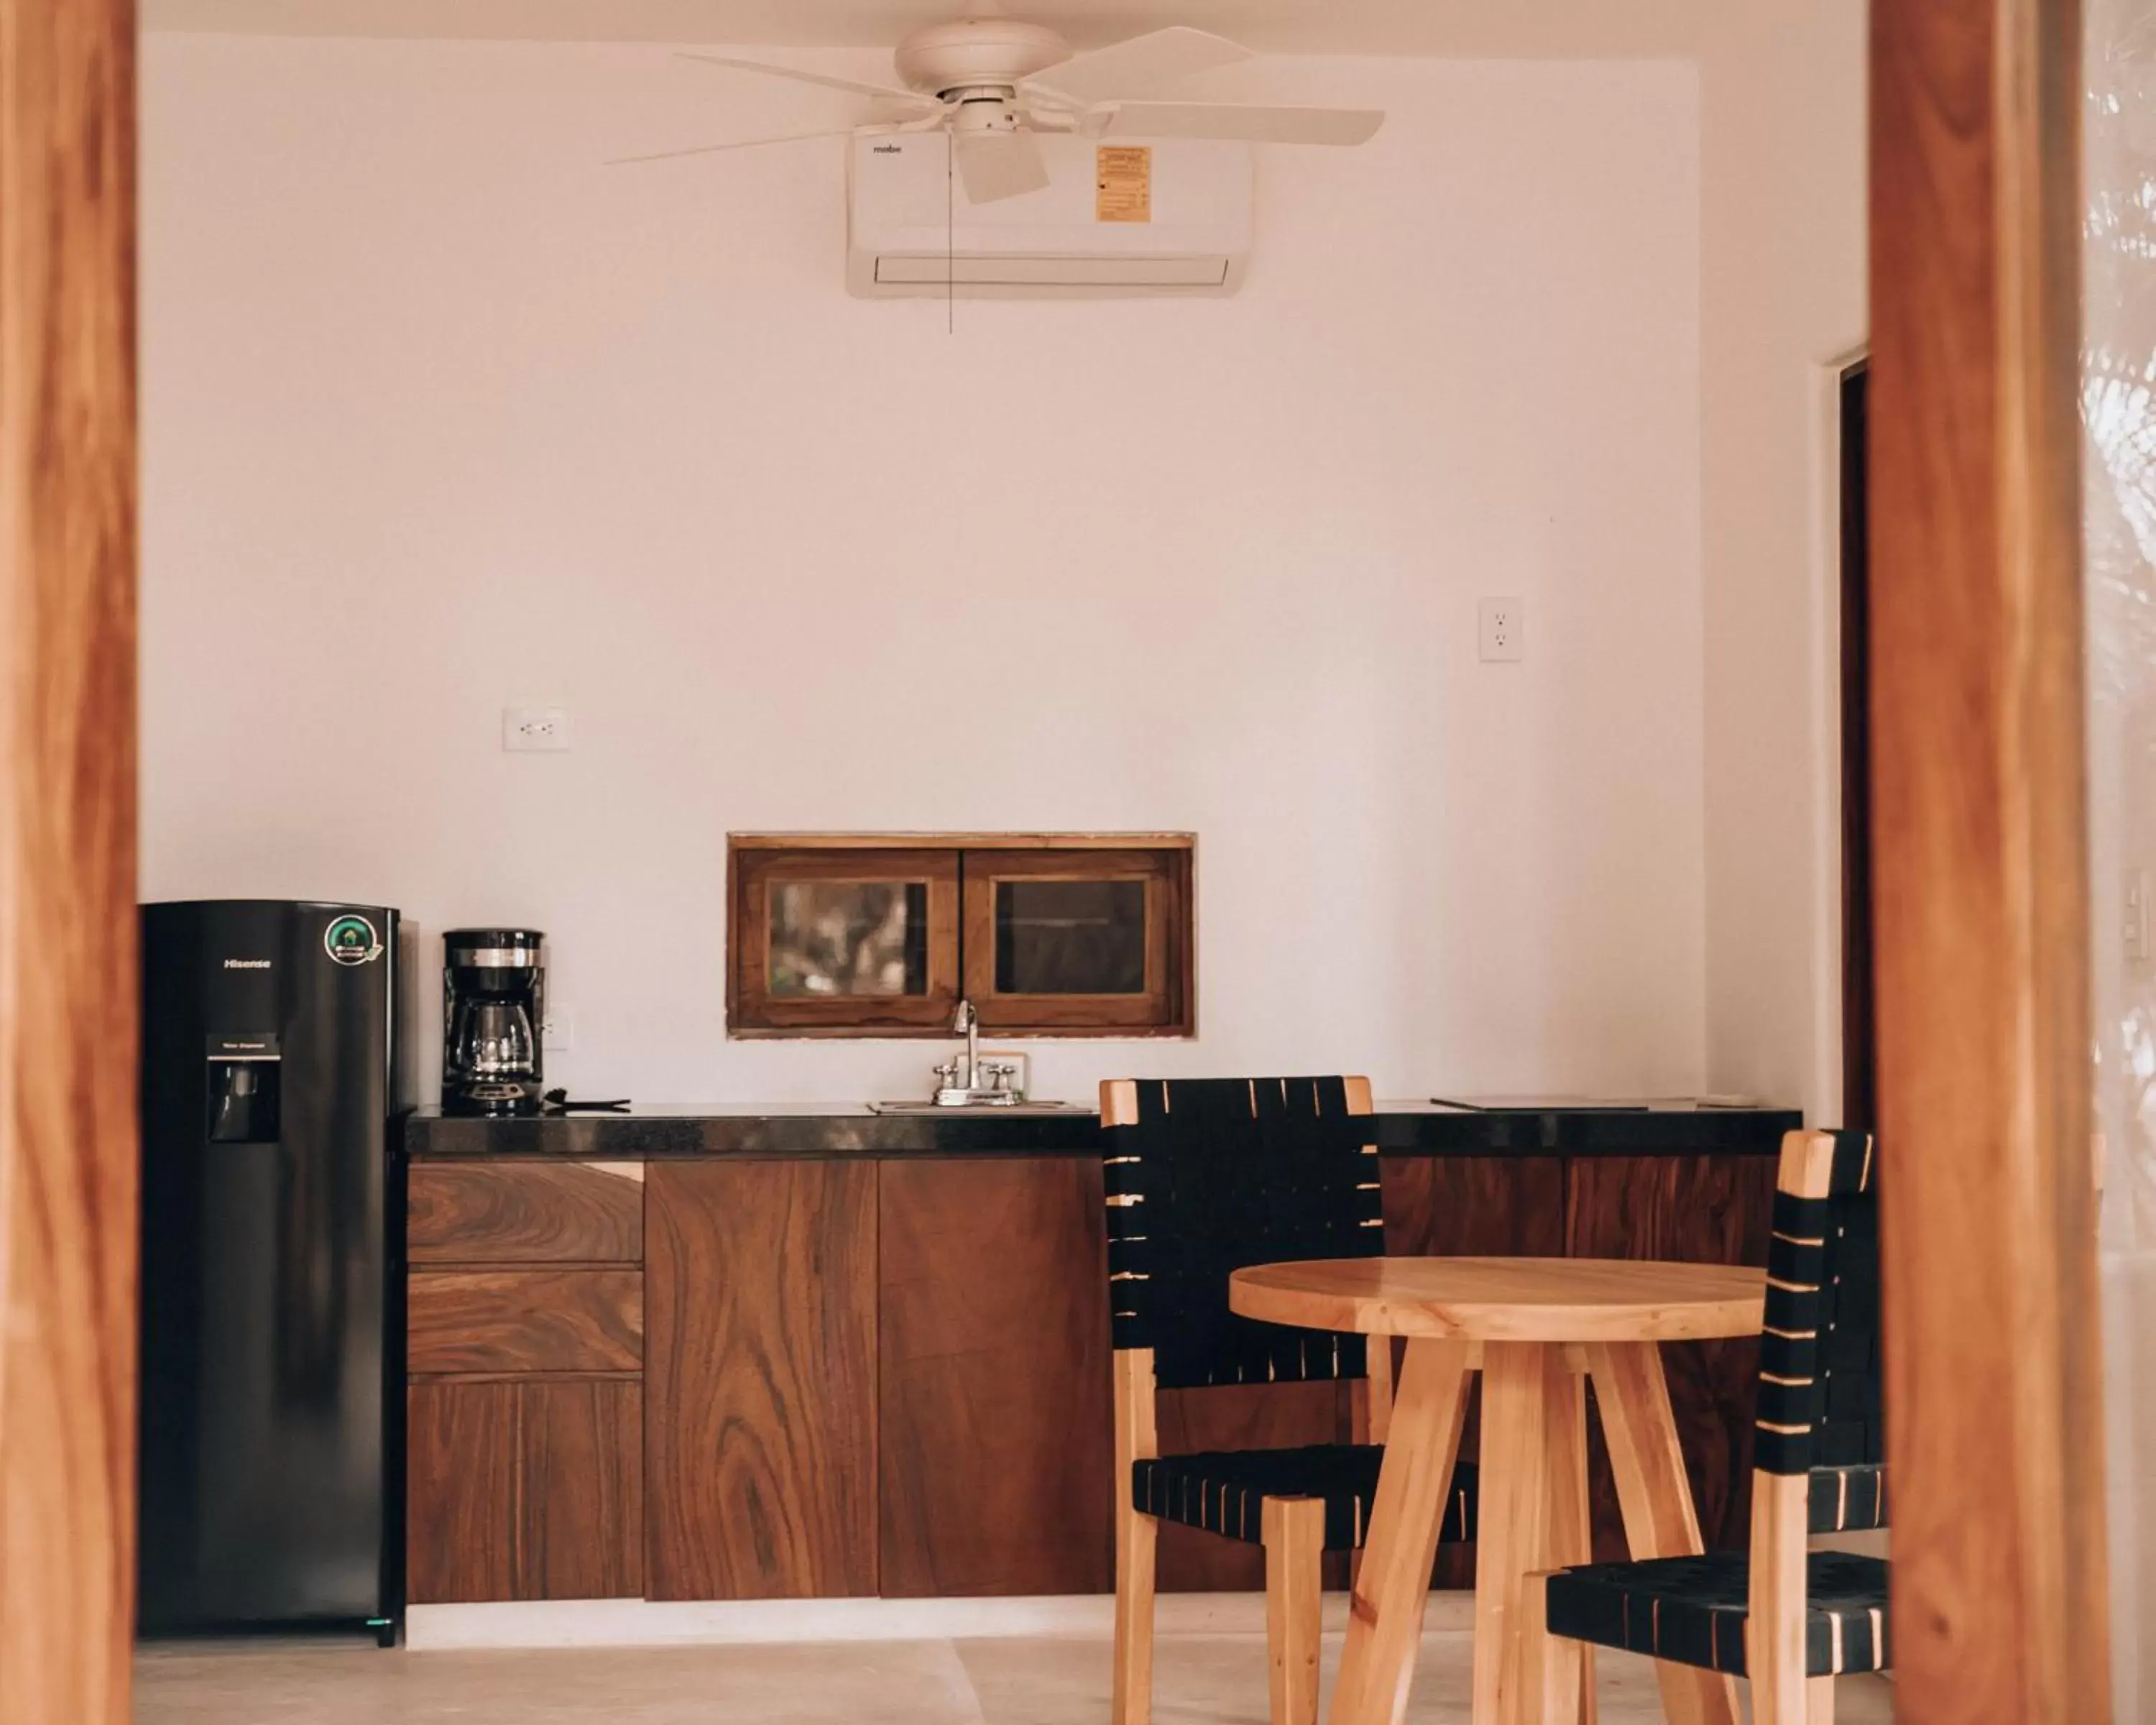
<point>1472,1206</point>
<point>996,1432</point>
<point>516,1320</point>
<point>525,1213</point>
<point>460,1492</point>
<point>530,1490</point>
<point>1700,1209</point>
<point>582,1521</point>
<point>760,1362</point>
<point>1242,1416</point>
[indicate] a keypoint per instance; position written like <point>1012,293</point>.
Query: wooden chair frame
<point>1782,1694</point>
<point>1293,1528</point>
<point>1781,1530</point>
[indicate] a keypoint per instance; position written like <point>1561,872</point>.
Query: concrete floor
<point>1200,1680</point>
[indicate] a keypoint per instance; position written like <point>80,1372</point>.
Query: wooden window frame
<point>752,1010</point>
<point>962,930</point>
<point>1159,1011</point>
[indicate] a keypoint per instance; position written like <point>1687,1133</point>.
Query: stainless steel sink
<point>1006,1108</point>
<point>970,1083</point>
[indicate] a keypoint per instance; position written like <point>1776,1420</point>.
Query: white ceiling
<point>1465,27</point>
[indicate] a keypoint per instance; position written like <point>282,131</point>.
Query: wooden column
<point>1995,1419</point>
<point>67,859</point>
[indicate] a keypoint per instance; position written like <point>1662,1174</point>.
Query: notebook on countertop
<point>1592,1104</point>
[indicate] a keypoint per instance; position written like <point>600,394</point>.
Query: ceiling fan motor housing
<point>993,52</point>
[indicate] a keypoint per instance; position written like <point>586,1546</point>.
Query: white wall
<point>1784,303</point>
<point>439,415</point>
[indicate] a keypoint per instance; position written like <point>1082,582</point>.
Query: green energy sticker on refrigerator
<point>352,940</point>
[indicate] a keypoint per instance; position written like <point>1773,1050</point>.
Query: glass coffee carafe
<point>497,1037</point>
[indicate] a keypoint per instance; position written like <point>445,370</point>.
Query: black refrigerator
<point>271,1414</point>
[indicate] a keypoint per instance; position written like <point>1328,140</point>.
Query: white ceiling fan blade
<point>1039,98</point>
<point>797,137</point>
<point>1140,63</point>
<point>1248,122</point>
<point>995,165</point>
<point>883,92</point>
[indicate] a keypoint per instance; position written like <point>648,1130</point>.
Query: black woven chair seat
<point>1691,1610</point>
<point>1224,1490</point>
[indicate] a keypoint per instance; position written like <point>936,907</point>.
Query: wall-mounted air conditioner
<point>1120,218</point>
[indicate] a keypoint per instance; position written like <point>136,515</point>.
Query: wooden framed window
<point>1047,934</point>
<point>1073,939</point>
<point>857,940</point>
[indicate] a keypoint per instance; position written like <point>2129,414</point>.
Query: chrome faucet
<point>960,1080</point>
<point>968,1024</point>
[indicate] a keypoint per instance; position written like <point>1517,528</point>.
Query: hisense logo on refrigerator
<point>247,964</point>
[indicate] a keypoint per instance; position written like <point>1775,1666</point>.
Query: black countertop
<point>1402,1129</point>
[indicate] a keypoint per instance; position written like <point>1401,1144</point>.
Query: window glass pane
<point>835,938</point>
<point>1071,937</point>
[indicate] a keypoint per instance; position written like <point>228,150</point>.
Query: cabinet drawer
<point>478,1321</point>
<point>525,1213</point>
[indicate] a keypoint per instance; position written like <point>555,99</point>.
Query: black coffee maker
<point>493,1007</point>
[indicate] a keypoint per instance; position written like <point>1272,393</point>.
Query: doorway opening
<point>1860,1055</point>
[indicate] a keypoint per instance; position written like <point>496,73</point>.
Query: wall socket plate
<point>1502,628</point>
<point>535,729</point>
<point>557,1032</point>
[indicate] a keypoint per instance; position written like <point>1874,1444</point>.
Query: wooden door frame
<point>1995,1423</point>
<point>68,1000</point>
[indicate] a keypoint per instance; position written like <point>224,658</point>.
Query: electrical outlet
<point>542,729</point>
<point>1503,628</point>
<point>557,1033</point>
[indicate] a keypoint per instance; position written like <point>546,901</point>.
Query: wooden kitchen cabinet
<point>995,1447</point>
<point>1705,1210</point>
<point>1472,1206</point>
<point>524,1415</point>
<point>525,1489</point>
<point>726,1378</point>
<point>1240,1416</point>
<point>1698,1209</point>
<point>760,1362</point>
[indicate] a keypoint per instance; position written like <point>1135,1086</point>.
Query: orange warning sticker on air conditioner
<point>1122,182</point>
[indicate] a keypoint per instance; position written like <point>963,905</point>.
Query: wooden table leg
<point>1655,1495</point>
<point>1294,1529</point>
<point>1392,1584</point>
<point>1533,1514</point>
<point>1571,1526</point>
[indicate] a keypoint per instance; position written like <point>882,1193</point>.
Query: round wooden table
<point>1537,1329</point>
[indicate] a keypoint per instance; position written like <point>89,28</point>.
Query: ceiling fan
<point>994,83</point>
